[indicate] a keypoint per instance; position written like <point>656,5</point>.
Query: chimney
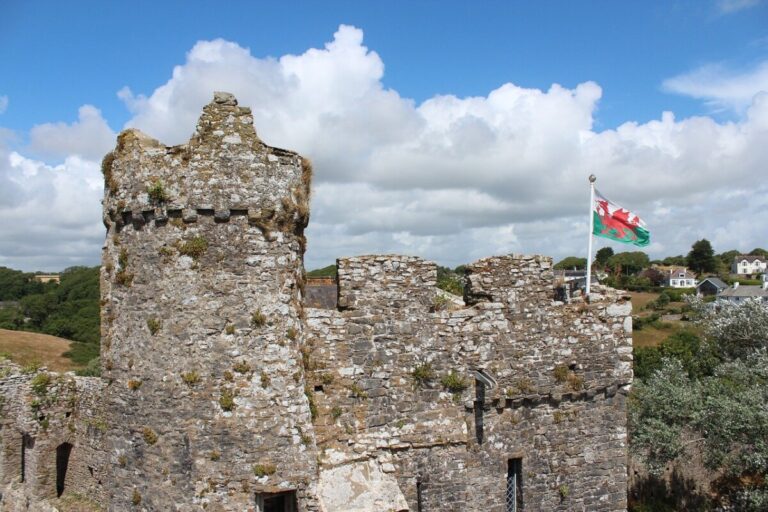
<point>735,285</point>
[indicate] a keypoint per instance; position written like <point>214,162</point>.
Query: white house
<point>744,264</point>
<point>681,278</point>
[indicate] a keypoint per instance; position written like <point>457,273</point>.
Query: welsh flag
<point>610,220</point>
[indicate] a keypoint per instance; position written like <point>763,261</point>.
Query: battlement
<point>224,170</point>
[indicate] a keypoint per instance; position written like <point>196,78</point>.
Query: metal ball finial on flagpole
<point>592,180</point>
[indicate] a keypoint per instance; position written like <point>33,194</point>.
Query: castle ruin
<point>222,391</point>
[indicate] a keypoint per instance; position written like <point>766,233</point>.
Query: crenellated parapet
<point>443,396</point>
<point>224,171</point>
<point>386,281</point>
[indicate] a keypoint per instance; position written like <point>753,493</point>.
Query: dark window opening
<point>419,503</point>
<point>479,405</point>
<point>514,485</point>
<point>319,389</point>
<point>62,463</point>
<point>276,502</point>
<point>27,443</point>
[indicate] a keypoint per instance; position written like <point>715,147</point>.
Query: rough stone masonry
<point>221,391</point>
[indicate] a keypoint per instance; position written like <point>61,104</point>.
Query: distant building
<point>745,264</point>
<point>738,294</point>
<point>47,278</point>
<point>681,278</point>
<point>711,286</point>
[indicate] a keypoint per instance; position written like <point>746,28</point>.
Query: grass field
<point>640,300</point>
<point>27,347</point>
<point>651,336</point>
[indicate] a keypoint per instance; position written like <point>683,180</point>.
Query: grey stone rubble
<point>221,390</point>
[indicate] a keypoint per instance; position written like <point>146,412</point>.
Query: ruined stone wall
<point>201,285</point>
<point>220,389</point>
<point>52,450</point>
<point>392,382</point>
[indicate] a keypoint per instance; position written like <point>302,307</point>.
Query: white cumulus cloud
<point>89,137</point>
<point>452,178</point>
<point>722,88</point>
<point>51,214</point>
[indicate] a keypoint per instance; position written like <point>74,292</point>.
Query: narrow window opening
<point>419,503</point>
<point>479,405</point>
<point>62,463</point>
<point>319,388</point>
<point>27,443</point>
<point>514,485</point>
<point>276,502</point>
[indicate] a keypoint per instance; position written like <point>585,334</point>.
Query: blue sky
<point>704,62</point>
<point>60,55</point>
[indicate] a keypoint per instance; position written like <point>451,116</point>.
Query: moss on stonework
<point>154,325</point>
<point>264,469</point>
<point>454,382</point>
<point>106,170</point>
<point>258,319</point>
<point>157,193</point>
<point>227,399</point>
<point>40,383</point>
<point>190,378</point>
<point>149,435</point>
<point>194,248</point>
<point>423,373</point>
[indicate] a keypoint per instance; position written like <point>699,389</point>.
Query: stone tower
<point>202,277</point>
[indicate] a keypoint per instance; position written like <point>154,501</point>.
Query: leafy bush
<point>450,281</point>
<point>709,394</point>
<point>454,382</point>
<point>423,373</point>
<point>157,193</point>
<point>40,383</point>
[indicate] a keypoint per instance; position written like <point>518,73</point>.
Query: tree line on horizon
<point>633,270</point>
<point>68,310</point>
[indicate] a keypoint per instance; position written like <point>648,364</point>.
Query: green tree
<point>628,263</point>
<point>702,257</point>
<point>15,284</point>
<point>759,251</point>
<point>450,281</point>
<point>570,263</point>
<point>675,261</point>
<point>602,256</point>
<point>329,271</point>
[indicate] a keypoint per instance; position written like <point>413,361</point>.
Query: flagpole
<point>592,180</point>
